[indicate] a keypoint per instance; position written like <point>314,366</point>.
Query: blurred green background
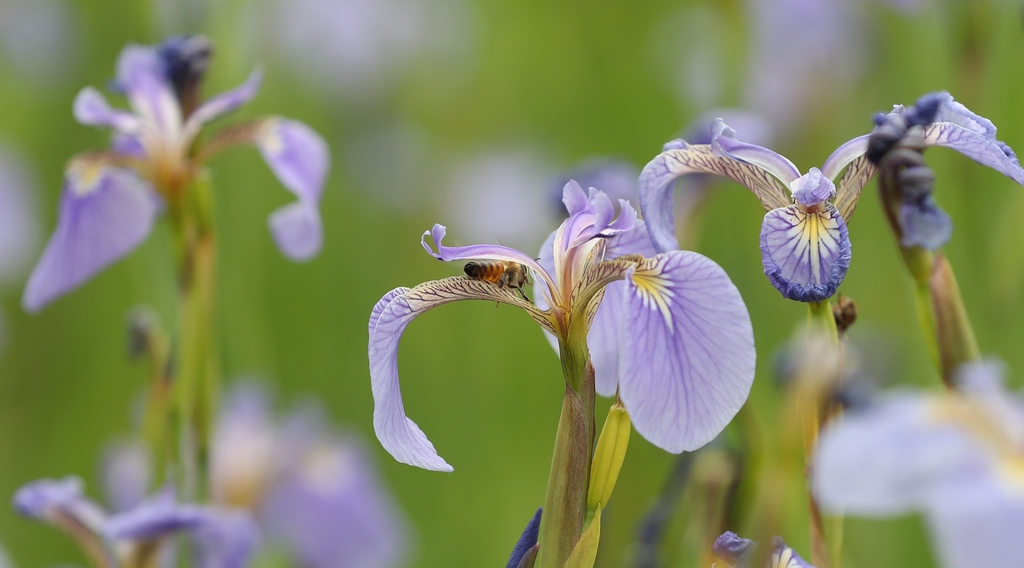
<point>556,81</point>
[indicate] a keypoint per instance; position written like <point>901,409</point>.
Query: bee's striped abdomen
<point>490,271</point>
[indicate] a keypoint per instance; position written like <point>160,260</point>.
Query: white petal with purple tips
<point>805,254</point>
<point>687,350</point>
<point>104,215</point>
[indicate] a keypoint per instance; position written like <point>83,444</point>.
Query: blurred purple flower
<point>957,457</point>
<point>220,538</point>
<point>314,492</point>
<point>615,176</point>
<point>126,471</point>
<point>739,552</point>
<point>650,314</point>
<point>805,244</point>
<point>111,199</point>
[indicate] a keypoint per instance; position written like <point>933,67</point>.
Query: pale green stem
<point>565,502</point>
<point>826,545</point>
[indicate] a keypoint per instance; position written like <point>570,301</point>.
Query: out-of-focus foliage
<point>427,105</point>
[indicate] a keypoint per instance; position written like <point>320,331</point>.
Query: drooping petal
<point>603,337</point>
<point>104,214</point>
<point>227,539</point>
<point>399,435</point>
<point>985,150</point>
<point>924,224</point>
<point>526,541</point>
<point>884,460</point>
<point>725,144</point>
<point>805,255</point>
<point>143,75</point>
<point>91,108</point>
<point>481,252</point>
<point>687,350</point>
<point>297,155</point>
<point>297,230</point>
<point>658,176</point>
<point>223,103</point>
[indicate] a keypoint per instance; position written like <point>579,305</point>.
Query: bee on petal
<point>506,274</point>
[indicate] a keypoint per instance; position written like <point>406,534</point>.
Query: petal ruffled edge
<point>805,255</point>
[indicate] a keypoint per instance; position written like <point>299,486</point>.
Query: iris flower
<point>955,456</point>
<point>805,245</point>
<point>135,538</point>
<point>110,199</point>
<point>672,331</point>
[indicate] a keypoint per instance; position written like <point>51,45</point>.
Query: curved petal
<point>725,144</point>
<point>58,501</point>
<point>687,348</point>
<point>857,175</point>
<point>105,213</point>
<point>297,155</point>
<point>985,150</point>
<point>812,188</point>
<point>223,103</point>
<point>884,460</point>
<point>399,435</point>
<point>924,224</point>
<point>482,252</point>
<point>297,230</point>
<point>977,523</point>
<point>843,155</point>
<point>91,108</point>
<point>658,176</point>
<point>603,337</point>
<point>142,73</point>
<point>805,255</point>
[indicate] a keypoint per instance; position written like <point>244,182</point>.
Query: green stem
<point>565,502</point>
<point>196,378</point>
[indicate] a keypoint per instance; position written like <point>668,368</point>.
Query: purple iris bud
<point>953,456</point>
<point>109,201</point>
<point>526,542</point>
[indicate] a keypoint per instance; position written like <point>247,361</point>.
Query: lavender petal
<point>104,215</point>
<point>91,108</point>
<point>142,73</point>
<point>985,150</point>
<point>687,348</point>
<point>297,230</point>
<point>297,155</point>
<point>805,255</point>
<point>658,176</point>
<point>725,144</point>
<point>924,224</point>
<point>223,103</point>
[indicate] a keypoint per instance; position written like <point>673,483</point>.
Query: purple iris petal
<point>924,224</point>
<point>591,220</point>
<point>687,351</point>
<point>615,177</point>
<point>526,541</point>
<point>843,155</point>
<point>603,337</point>
<point>127,145</point>
<point>299,158</point>
<point>330,509</point>
<point>224,103</point>
<point>221,538</point>
<point>297,230</point>
<point>142,73</point>
<point>478,252</point>
<point>399,435</point>
<point>813,188</point>
<point>91,108</point>
<point>53,500</point>
<point>104,214</point>
<point>244,442</point>
<point>725,144</point>
<point>977,524</point>
<point>805,255</point>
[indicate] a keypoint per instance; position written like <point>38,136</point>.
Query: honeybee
<point>505,274</point>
